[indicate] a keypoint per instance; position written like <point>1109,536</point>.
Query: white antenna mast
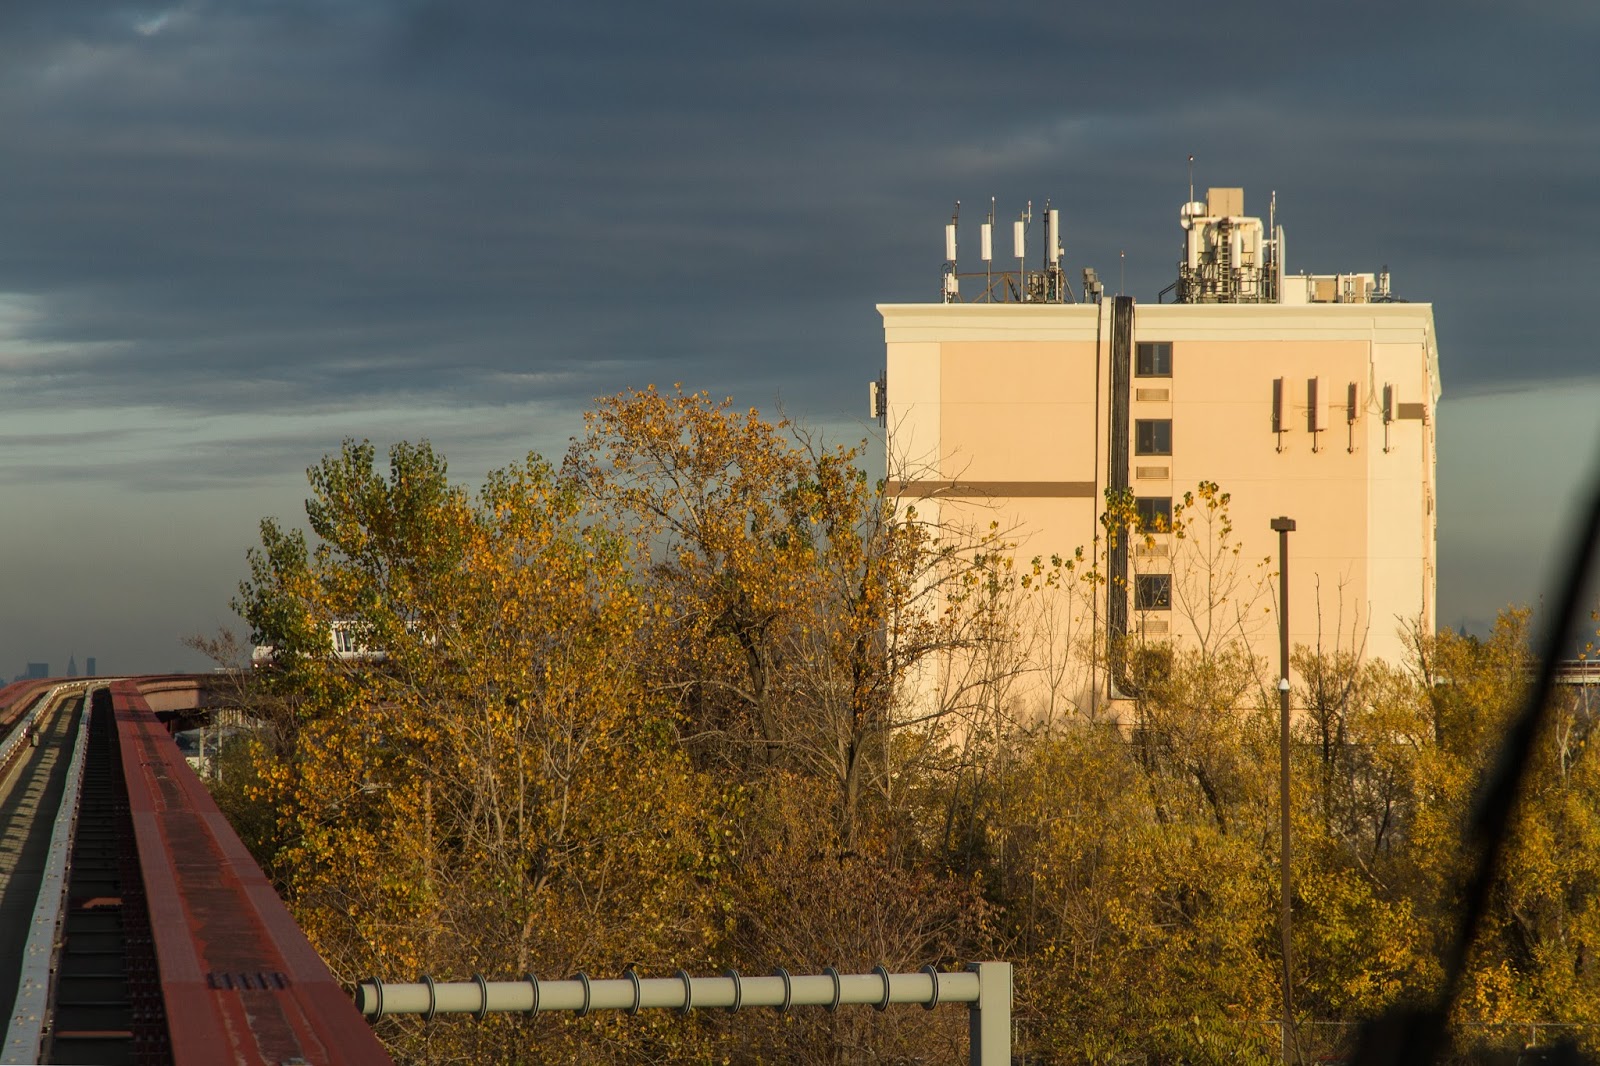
<point>988,253</point>
<point>952,280</point>
<point>1043,285</point>
<point>1019,248</point>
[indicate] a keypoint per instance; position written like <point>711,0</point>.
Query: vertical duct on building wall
<point>1277,410</point>
<point>1350,410</point>
<point>1117,475</point>
<point>1313,413</point>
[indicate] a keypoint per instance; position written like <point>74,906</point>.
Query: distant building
<point>35,670</point>
<point>346,639</point>
<point>88,667</point>
<point>72,666</point>
<point>1310,396</point>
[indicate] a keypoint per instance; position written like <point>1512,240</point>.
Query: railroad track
<point>31,784</point>
<point>41,774</point>
<point>134,926</point>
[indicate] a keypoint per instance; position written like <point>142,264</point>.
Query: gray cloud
<point>254,207</point>
<point>270,211</point>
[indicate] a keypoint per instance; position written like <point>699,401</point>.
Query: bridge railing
<point>985,987</point>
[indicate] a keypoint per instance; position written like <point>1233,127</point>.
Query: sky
<point>234,233</point>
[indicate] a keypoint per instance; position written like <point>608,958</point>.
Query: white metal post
<point>990,1016</point>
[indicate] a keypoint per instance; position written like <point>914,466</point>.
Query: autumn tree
<point>707,695</point>
<point>481,783</point>
<point>522,727</point>
<point>791,600</point>
<point>1534,957</point>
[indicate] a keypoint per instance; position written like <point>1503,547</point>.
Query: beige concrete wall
<point>1018,411</point>
<point>915,369</point>
<point>1014,397</point>
<point>1222,415</point>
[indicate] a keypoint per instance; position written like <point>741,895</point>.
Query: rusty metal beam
<point>244,983</point>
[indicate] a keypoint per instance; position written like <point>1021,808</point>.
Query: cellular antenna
<point>1047,284</point>
<point>988,254</point>
<point>1019,246</point>
<point>952,283</point>
<point>1052,236</point>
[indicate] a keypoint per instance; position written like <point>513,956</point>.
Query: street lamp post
<point>1283,527</point>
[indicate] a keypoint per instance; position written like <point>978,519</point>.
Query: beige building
<point>1311,397</point>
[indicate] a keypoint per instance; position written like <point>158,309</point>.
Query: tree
<point>707,696</point>
<point>791,600</point>
<point>1534,957</point>
<point>487,786</point>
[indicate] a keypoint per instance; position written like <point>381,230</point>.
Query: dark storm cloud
<point>96,438</point>
<point>234,231</point>
<point>263,208</point>
<point>136,460</point>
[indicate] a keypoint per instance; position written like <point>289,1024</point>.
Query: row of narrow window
<point>1153,436</point>
<point>1153,592</point>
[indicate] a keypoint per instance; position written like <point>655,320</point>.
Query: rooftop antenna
<point>1019,241</point>
<point>1123,284</point>
<point>1274,279</point>
<point>1191,177</point>
<point>952,283</point>
<point>988,253</point>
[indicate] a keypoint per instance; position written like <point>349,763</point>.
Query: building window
<point>1152,592</point>
<point>1155,513</point>
<point>1153,359</point>
<point>1152,436</point>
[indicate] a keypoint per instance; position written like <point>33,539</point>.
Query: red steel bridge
<point>134,925</point>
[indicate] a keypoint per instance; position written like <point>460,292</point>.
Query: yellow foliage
<point>651,708</point>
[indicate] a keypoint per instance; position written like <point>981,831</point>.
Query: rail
<point>984,986</point>
<point>243,983</point>
<point>25,1035</point>
<point>25,722</point>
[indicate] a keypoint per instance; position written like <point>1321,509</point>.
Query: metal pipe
<point>986,986</point>
<point>466,997</point>
<point>1283,527</point>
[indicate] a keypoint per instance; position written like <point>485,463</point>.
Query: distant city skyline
<point>232,234</point>
<point>41,668</point>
